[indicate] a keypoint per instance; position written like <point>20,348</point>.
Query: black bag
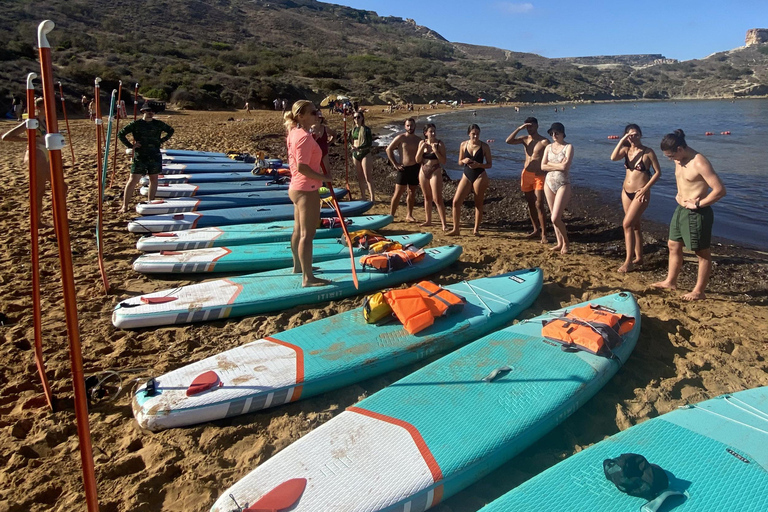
<point>633,474</point>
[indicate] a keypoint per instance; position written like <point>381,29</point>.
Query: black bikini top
<point>639,164</point>
<point>429,155</point>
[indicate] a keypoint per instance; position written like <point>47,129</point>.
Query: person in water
<point>636,190</point>
<point>304,160</point>
<point>698,188</point>
<point>148,137</point>
<point>361,139</point>
<point>475,156</point>
<point>42,166</point>
<point>431,154</point>
<point>532,178</point>
<point>406,144</point>
<point>556,162</point>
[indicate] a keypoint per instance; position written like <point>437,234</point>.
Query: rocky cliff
<point>757,36</point>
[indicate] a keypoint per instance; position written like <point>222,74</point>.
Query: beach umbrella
<point>481,100</point>
<point>328,99</point>
<point>443,101</point>
<point>432,102</point>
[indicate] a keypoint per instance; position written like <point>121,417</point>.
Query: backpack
<point>633,474</point>
<point>376,308</point>
<point>595,329</point>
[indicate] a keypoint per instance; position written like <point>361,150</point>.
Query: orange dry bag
<point>596,329</point>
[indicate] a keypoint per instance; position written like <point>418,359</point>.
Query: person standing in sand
<point>475,156</point>
<point>698,188</point>
<point>431,155</point>
<point>556,162</point>
<point>532,179</point>
<point>361,140</point>
<point>304,159</point>
<point>407,180</point>
<point>638,161</point>
<point>147,134</point>
<point>323,137</point>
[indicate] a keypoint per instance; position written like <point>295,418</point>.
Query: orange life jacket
<point>418,306</point>
<point>362,238</point>
<point>393,260</point>
<point>596,329</point>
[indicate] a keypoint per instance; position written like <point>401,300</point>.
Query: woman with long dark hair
<point>362,141</point>
<point>475,156</point>
<point>432,156</point>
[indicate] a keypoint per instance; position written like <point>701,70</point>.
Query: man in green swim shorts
<point>698,188</point>
<point>148,136</point>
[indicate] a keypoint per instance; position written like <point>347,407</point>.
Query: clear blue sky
<point>678,29</point>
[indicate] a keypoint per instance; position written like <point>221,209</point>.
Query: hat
<point>556,127</point>
<point>145,107</point>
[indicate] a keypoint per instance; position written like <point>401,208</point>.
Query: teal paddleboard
<point>265,292</point>
<point>443,427</point>
<point>327,354</point>
<point>715,454</point>
<point>204,189</point>
<point>244,234</point>
<point>253,258</point>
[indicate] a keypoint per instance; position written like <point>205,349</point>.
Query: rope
<point>728,418</point>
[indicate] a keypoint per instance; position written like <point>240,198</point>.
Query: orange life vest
<point>596,329</point>
<point>418,306</point>
<point>363,238</point>
<point>393,260</point>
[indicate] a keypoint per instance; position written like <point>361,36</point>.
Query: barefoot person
<point>698,188</point>
<point>636,191</point>
<point>324,138</point>
<point>147,134</point>
<point>362,141</point>
<point>407,168</point>
<point>431,155</point>
<point>304,158</point>
<point>556,162</point>
<point>475,156</point>
<point>532,179</point>
<point>19,134</point>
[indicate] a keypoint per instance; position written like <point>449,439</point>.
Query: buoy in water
<point>725,133</point>
<point>613,137</point>
<point>708,133</point>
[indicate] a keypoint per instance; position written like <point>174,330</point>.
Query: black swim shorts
<point>409,175</point>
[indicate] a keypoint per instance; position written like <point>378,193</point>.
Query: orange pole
<point>336,206</point>
<point>117,129</point>
<point>66,120</point>
<point>34,218</point>
<point>54,142</point>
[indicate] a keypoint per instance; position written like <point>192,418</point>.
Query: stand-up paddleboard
<point>190,152</point>
<point>443,427</point>
<point>192,159</point>
<point>209,177</point>
<point>327,354</point>
<point>230,216</point>
<point>252,258</point>
<point>266,292</point>
<point>216,201</point>
<point>204,189</point>
<point>228,166</point>
<point>245,234</point>
<point>715,453</point>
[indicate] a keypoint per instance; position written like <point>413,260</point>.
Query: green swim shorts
<point>692,227</point>
<point>147,164</point>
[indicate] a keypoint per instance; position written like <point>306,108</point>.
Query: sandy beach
<point>687,352</point>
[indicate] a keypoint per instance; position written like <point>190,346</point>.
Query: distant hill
<point>221,53</point>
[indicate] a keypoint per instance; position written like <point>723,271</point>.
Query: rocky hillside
<point>220,53</point>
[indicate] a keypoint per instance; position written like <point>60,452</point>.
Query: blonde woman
<point>304,159</point>
<point>362,141</point>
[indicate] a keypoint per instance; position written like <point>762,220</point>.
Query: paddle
<point>329,186</point>
<point>281,497</point>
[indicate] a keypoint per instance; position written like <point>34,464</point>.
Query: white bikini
<point>556,179</point>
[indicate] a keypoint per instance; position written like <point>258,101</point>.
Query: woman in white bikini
<point>556,162</point>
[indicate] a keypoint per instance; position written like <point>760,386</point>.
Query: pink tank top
<point>303,148</point>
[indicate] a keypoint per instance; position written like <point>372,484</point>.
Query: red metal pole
<point>34,218</point>
<point>54,142</point>
<point>117,129</point>
<point>66,120</point>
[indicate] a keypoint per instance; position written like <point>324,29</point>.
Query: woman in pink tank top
<point>304,158</point>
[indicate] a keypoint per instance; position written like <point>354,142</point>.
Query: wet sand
<point>687,352</point>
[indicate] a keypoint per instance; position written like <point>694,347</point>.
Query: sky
<point>677,29</point>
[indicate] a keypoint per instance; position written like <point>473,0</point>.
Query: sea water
<point>740,159</point>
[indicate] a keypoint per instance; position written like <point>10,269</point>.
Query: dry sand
<point>687,352</point>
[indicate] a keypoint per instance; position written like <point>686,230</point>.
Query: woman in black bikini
<point>432,156</point>
<point>475,156</point>
<point>636,191</point>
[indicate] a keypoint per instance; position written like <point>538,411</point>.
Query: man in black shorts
<point>407,144</point>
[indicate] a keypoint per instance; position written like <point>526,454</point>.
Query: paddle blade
<point>281,497</point>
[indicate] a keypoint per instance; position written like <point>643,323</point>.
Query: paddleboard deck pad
<point>208,177</point>
<point>246,234</point>
<point>253,258</point>
<point>204,189</point>
<point>265,292</point>
<point>325,355</point>
<point>443,427</point>
<point>229,216</point>
<point>207,167</point>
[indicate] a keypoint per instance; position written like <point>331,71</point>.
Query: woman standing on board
<point>556,162</point>
<point>431,156</point>
<point>475,156</point>
<point>362,141</point>
<point>636,191</point>
<point>304,159</point>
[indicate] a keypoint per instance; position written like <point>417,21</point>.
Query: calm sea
<point>740,159</point>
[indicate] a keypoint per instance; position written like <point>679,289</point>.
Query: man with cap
<point>148,136</point>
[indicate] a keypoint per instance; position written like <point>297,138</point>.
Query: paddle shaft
<point>66,121</point>
<point>117,129</point>
<point>329,186</point>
